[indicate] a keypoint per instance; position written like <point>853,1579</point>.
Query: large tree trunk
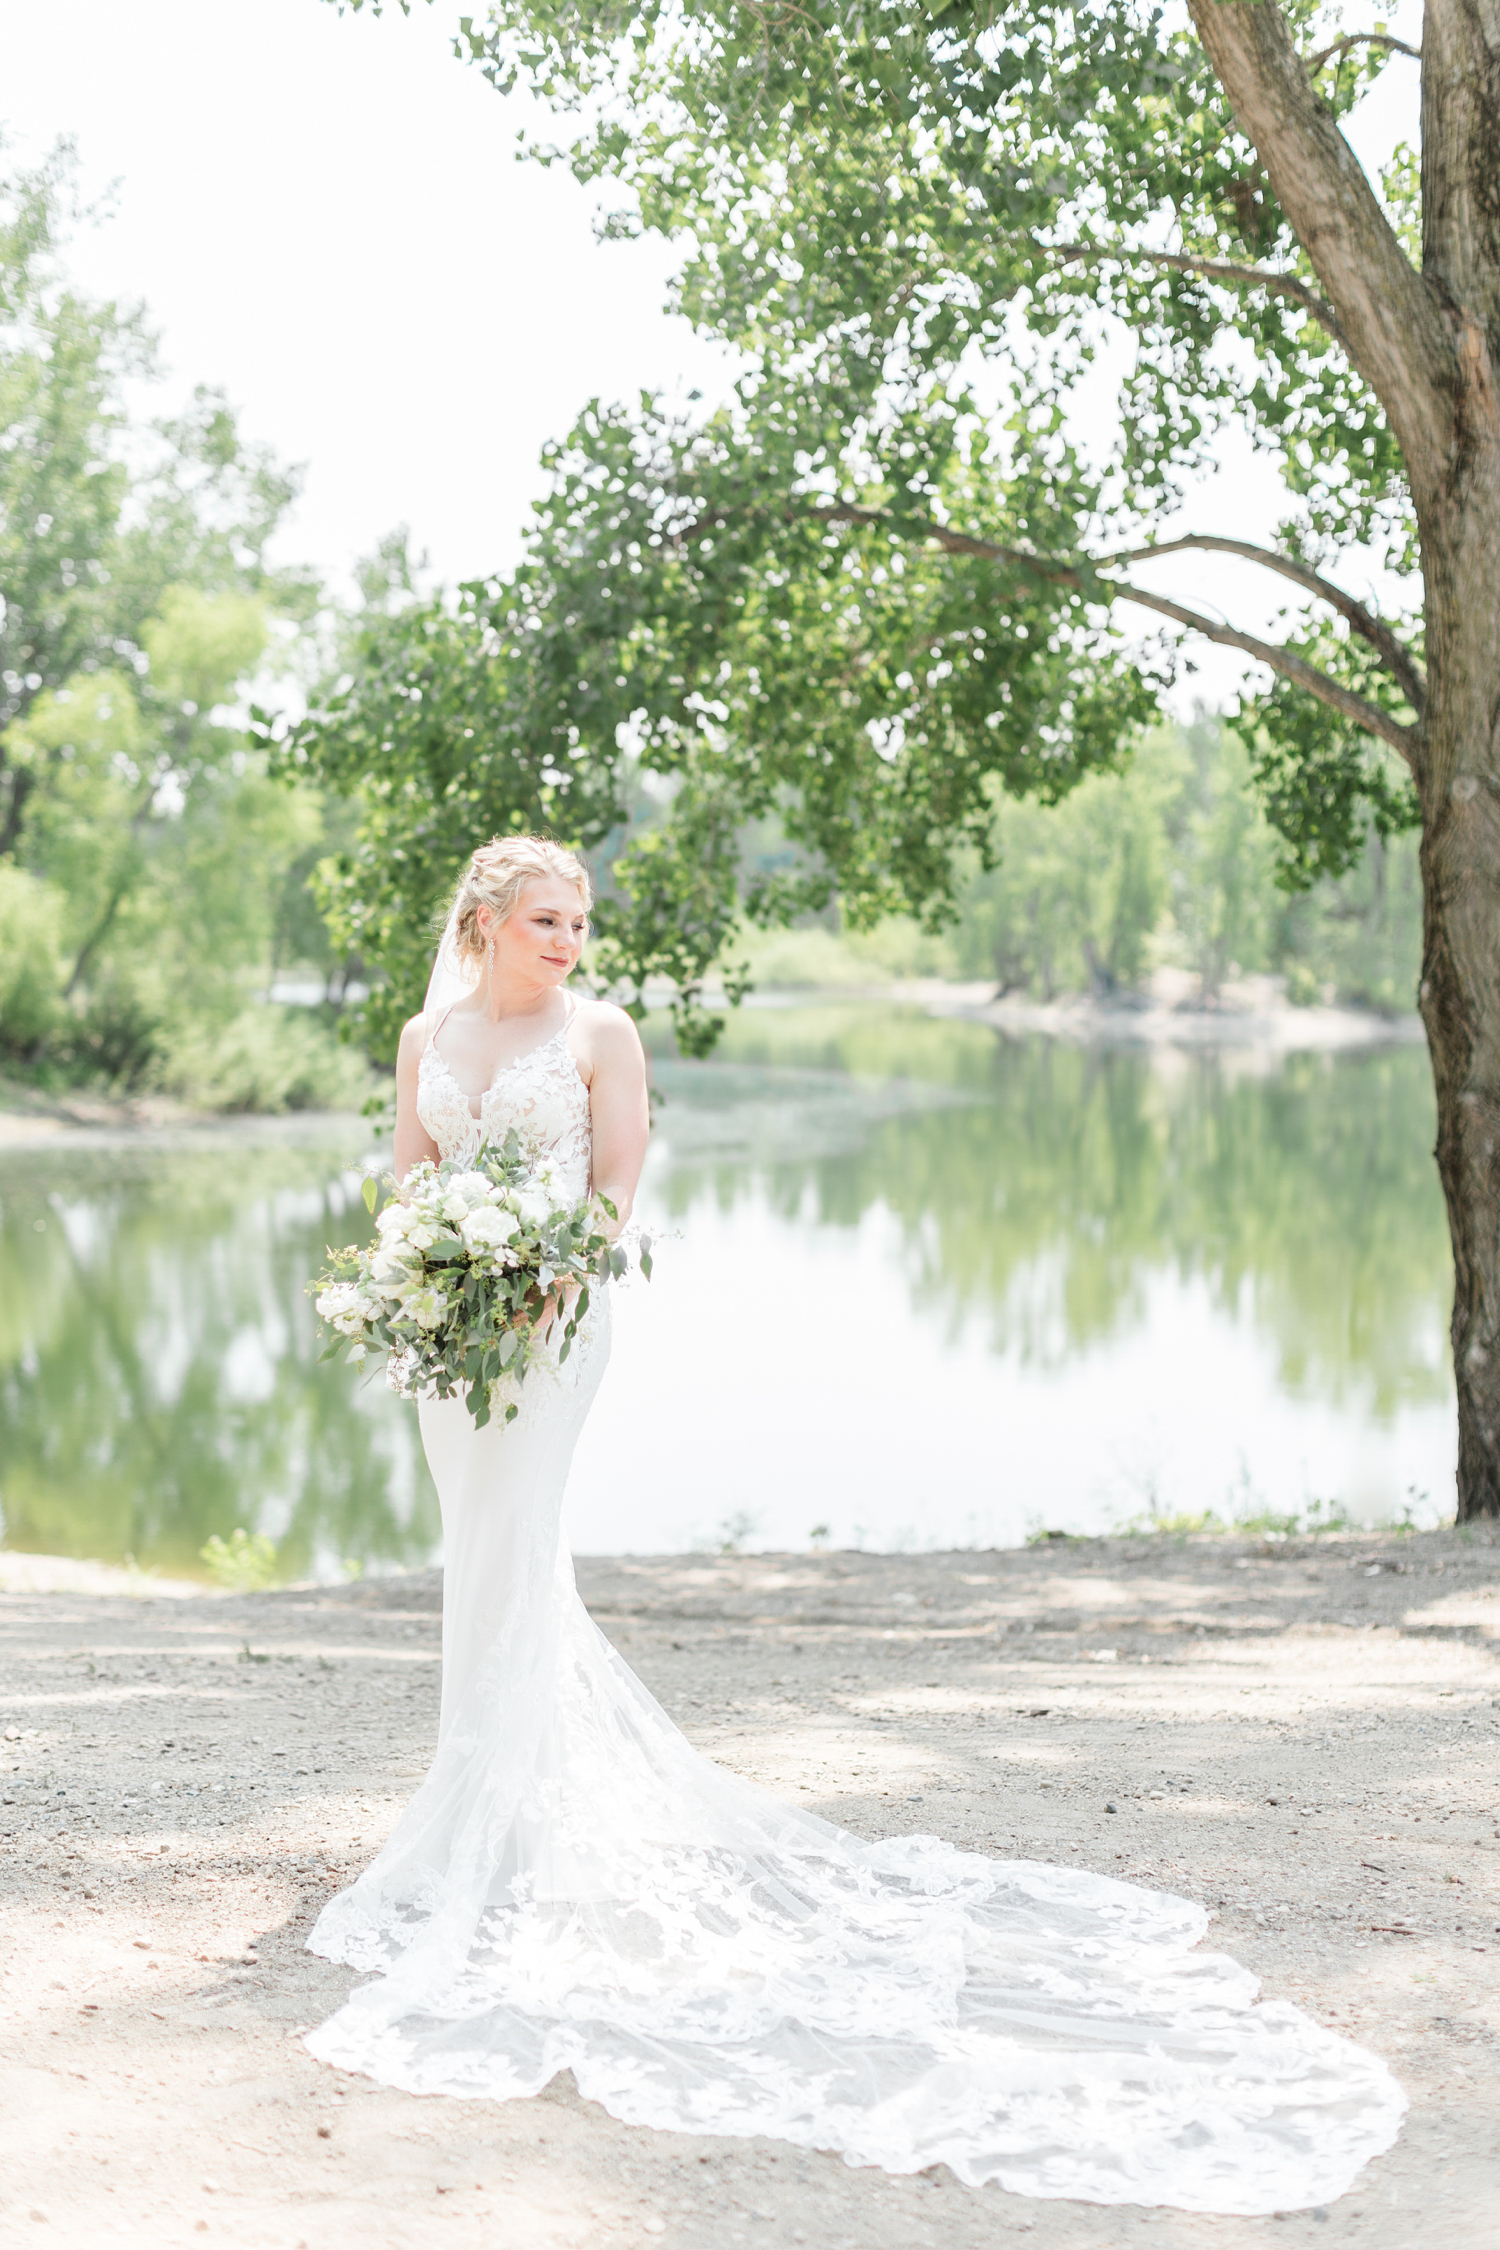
<point>1459,769</point>
<point>1429,347</point>
<point>1460,990</point>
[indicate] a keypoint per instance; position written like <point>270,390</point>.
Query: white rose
<point>534,1206</point>
<point>487,1228</point>
<point>466,1191</point>
<point>394,1220</point>
<point>344,1307</point>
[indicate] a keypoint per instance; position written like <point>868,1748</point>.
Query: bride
<point>574,1888</point>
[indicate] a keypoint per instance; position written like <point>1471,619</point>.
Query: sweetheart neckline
<point>503,1070</point>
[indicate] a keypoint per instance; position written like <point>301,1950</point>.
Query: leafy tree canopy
<point>100,518</point>
<point>145,856</point>
<point>999,278</point>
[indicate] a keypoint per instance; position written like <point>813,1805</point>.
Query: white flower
<point>389,1274</point>
<point>466,1192</point>
<point>425,1306</point>
<point>534,1206</point>
<point>415,1225</point>
<point>345,1307</point>
<point>487,1228</point>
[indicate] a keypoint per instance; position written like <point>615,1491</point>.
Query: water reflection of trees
<point>158,1363</point>
<point>1301,1195</point>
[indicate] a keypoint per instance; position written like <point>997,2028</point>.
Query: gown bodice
<point>541,1095</point>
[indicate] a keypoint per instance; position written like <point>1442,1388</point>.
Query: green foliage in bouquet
<point>474,1267</point>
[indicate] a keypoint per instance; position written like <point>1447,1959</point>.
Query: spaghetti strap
<point>442,1019</point>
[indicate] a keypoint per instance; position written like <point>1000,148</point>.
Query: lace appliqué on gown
<point>541,1095</point>
<point>574,1888</point>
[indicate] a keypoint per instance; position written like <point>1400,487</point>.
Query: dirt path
<point>1305,1737</point>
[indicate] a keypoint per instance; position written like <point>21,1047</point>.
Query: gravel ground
<point>1304,1735</point>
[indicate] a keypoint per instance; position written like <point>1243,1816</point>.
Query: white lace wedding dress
<point>573,1887</point>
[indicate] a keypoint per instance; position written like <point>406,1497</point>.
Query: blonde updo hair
<point>498,874</point>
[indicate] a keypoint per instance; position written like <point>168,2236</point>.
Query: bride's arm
<point>619,1109</point>
<point>412,1140</point>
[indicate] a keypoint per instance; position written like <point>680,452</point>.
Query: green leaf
<point>370,1191</point>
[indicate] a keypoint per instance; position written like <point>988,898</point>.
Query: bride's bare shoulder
<point>605,1015</point>
<point>607,1031</point>
<point>413,1039</point>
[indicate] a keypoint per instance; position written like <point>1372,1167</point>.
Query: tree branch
<point>96,936</point>
<point>1369,716</point>
<point>1350,39</point>
<point>1358,708</point>
<point>22,782</point>
<point>1389,318</point>
<point>1279,284</point>
<point>1397,656</point>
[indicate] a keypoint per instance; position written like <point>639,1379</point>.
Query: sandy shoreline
<point>1252,1015</point>
<point>1305,1736</point>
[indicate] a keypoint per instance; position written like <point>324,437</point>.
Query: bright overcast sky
<point>323,215</point>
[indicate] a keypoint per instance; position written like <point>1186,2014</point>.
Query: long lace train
<point>575,1888</point>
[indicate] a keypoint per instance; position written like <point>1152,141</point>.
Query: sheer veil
<point>452,978</point>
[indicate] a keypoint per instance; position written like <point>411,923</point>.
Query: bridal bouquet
<point>473,1268</point>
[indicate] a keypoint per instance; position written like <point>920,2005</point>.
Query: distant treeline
<point>1169,863</point>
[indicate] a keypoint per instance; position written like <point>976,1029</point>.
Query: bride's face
<point>541,941</point>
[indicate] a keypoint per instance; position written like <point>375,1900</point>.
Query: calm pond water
<point>922,1285</point>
